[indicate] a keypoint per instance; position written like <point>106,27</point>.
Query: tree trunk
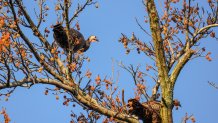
<point>166,115</point>
<point>167,101</point>
<point>165,83</point>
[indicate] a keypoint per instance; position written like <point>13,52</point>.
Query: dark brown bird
<point>148,112</point>
<point>79,43</point>
<point>60,36</point>
<point>82,119</point>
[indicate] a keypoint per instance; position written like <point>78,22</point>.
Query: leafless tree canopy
<point>30,60</point>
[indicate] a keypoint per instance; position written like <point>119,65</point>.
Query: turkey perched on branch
<point>78,41</point>
<point>148,112</point>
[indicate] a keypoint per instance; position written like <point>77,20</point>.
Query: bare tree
<point>174,41</point>
<point>175,38</point>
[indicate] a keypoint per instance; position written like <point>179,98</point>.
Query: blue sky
<point>112,18</point>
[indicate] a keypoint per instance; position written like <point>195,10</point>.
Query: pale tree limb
<point>85,99</point>
<point>205,28</point>
<point>181,63</point>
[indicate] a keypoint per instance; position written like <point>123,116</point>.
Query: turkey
<point>79,43</point>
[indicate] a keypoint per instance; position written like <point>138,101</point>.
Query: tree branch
<point>70,41</point>
<point>158,41</point>
<point>85,99</point>
<point>204,28</point>
<point>181,63</point>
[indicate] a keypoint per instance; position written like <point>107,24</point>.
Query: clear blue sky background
<point>112,18</point>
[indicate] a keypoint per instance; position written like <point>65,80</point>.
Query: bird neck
<point>87,45</point>
<point>88,42</point>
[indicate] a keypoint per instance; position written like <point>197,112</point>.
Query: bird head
<point>93,39</point>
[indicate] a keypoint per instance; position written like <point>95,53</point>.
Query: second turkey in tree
<point>78,41</point>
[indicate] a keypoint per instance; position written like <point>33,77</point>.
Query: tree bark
<point>165,83</point>
<point>166,110</point>
<point>166,115</point>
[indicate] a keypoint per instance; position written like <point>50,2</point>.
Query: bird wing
<point>60,38</point>
<point>77,38</point>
